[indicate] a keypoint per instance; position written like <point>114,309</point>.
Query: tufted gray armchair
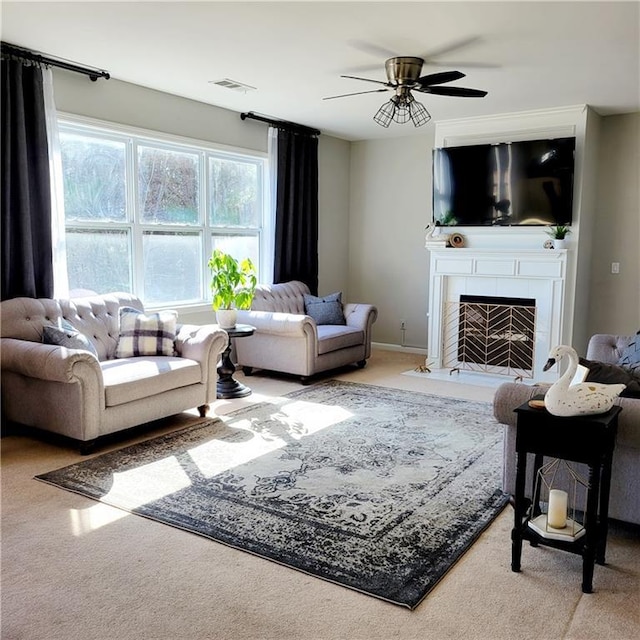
<point>289,341</point>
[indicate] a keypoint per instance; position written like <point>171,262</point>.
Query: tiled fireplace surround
<point>539,274</point>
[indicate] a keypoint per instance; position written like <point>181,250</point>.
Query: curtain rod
<point>93,72</point>
<point>283,124</point>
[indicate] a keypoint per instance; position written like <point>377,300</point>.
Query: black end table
<point>228,387</point>
<point>586,439</point>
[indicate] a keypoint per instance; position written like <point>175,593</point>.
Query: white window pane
<point>240,247</point>
<point>235,193</point>
<point>172,267</point>
<point>99,260</point>
<point>94,178</point>
<point>167,186</point>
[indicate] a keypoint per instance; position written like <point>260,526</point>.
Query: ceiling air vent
<point>234,85</point>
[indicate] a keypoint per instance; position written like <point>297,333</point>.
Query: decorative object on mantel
<point>232,285</point>
<point>586,398</point>
<point>433,237</point>
<point>456,240</point>
<point>559,233</point>
<point>548,244</point>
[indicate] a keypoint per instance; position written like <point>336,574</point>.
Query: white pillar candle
<point>557,516</point>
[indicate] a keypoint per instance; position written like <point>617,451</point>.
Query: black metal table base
<point>227,386</point>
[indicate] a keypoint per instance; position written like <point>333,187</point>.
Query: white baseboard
<point>384,346</point>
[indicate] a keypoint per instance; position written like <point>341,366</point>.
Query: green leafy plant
<point>559,231</point>
<point>448,220</point>
<point>233,283</point>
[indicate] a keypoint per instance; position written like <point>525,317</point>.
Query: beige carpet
<point>73,569</point>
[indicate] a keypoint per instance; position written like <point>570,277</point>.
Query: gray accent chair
<point>288,341</point>
<point>625,475</point>
<point>71,393</point>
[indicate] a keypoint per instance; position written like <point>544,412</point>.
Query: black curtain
<point>296,228</point>
<point>27,252</point>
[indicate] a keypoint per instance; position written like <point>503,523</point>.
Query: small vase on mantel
<point>559,244</point>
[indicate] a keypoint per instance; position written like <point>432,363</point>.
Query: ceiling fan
<point>403,77</point>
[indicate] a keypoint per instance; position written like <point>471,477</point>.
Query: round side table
<point>228,386</point>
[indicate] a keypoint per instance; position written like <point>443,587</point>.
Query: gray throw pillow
<point>630,358</point>
<point>326,310</point>
<point>67,336</point>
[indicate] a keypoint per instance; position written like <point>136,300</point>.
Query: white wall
<point>389,209</point>
<point>615,298</point>
<point>375,200</point>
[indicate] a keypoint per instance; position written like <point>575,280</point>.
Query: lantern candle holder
<point>554,512</point>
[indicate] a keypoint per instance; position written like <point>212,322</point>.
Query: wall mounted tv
<point>513,183</point>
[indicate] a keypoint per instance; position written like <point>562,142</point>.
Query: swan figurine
<point>585,398</point>
<point>433,239</point>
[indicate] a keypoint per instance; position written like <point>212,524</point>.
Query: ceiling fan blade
<point>460,92</point>
<point>452,46</point>
<point>373,49</point>
<point>439,78</point>
<point>468,65</point>
<point>386,84</point>
<point>358,93</point>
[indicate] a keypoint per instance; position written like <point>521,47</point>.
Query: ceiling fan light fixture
<point>402,108</point>
<point>419,114</point>
<point>385,114</point>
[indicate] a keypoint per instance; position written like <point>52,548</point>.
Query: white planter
<point>226,318</point>
<point>559,244</point>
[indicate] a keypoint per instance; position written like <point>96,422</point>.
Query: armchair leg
<point>306,380</point>
<point>361,364</point>
<point>203,409</point>
<point>88,447</point>
<point>248,371</point>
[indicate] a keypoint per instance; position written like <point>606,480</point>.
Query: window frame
<point>136,137</point>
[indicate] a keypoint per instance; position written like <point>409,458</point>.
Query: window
<point>143,212</point>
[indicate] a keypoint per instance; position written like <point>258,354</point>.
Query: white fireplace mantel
<point>534,273</point>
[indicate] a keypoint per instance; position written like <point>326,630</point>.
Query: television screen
<point>514,183</point>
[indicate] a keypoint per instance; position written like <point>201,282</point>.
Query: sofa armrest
<point>48,362</point>
<point>200,342</point>
<point>607,348</point>
<point>509,396</point>
<point>291,324</point>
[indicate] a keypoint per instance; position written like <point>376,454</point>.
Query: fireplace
<point>531,281</point>
<point>491,334</point>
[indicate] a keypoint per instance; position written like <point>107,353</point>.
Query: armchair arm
<point>360,315</point>
<point>200,342</point>
<point>48,362</point>
<point>292,324</point>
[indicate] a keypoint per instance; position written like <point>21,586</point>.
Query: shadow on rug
<point>376,489</point>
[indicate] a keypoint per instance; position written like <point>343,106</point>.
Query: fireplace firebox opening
<point>490,334</point>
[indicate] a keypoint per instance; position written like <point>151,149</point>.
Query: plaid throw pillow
<point>146,335</point>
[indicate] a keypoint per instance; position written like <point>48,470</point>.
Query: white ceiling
<point>527,55</point>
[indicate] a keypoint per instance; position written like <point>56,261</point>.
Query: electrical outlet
<point>615,267</point>
<point>403,325</point>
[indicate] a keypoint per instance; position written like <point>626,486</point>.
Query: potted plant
<point>558,233</point>
<point>233,284</point>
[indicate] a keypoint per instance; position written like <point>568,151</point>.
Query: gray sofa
<point>289,341</point>
<point>625,476</point>
<point>73,393</point>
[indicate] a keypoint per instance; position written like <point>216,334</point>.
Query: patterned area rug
<point>375,489</point>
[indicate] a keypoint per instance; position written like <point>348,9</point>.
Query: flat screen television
<point>512,183</point>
